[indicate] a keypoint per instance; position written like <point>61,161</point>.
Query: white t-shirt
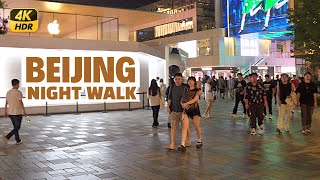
<point>163,89</point>
<point>207,94</point>
<point>13,97</point>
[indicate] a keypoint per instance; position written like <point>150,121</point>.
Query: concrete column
<point>218,13</point>
<point>166,71</point>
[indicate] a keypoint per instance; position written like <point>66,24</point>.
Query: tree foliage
<point>3,21</point>
<point>305,20</point>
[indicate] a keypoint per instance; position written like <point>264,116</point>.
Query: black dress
<point>194,108</point>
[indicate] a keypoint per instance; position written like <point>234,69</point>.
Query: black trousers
<point>306,116</point>
<point>239,98</point>
<point>155,110</point>
<point>256,112</point>
<point>275,99</point>
<point>269,99</point>
<point>16,122</point>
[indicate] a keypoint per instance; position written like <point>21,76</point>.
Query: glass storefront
<point>165,30</point>
<point>73,26</point>
<point>170,6</point>
<point>205,16</point>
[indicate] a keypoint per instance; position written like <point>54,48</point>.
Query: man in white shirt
<point>15,111</point>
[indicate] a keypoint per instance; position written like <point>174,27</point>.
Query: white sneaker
<point>234,116</point>
<point>303,132</point>
<point>261,127</point>
<point>20,142</point>
<point>244,116</point>
<point>308,130</point>
<point>270,116</point>
<point>253,131</point>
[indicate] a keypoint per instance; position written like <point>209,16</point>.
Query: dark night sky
<point>125,4</point>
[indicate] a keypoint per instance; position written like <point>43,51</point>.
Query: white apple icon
<point>53,27</point>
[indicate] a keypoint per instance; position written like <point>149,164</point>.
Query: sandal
<point>199,144</point>
<point>182,148</point>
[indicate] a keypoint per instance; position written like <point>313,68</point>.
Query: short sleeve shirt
<point>239,86</point>
<point>175,95</point>
<point>268,87</point>
<point>13,97</point>
<point>306,91</point>
<point>255,93</point>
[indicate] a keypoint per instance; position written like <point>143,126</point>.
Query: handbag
<point>292,100</point>
<point>161,104</point>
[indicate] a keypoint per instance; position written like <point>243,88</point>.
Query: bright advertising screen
<point>256,16</point>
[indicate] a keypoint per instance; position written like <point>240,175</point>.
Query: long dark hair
<point>194,80</point>
<point>154,88</point>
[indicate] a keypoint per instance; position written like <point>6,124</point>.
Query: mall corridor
<point>123,145</point>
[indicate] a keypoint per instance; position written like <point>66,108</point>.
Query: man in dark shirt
<point>175,109</point>
<point>270,91</point>
<point>214,87</point>
<point>307,99</point>
<point>239,88</point>
<point>256,101</point>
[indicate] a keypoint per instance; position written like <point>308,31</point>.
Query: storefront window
<point>165,30</point>
<point>205,14</point>
<point>205,10</point>
<point>204,48</point>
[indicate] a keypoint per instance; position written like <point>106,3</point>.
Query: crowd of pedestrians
<point>255,95</point>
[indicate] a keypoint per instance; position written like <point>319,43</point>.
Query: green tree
<point>305,20</point>
<point>3,21</point>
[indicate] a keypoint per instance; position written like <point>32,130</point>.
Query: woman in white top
<point>154,96</point>
<point>163,89</point>
<point>208,97</point>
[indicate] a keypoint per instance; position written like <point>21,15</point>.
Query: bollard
<point>143,100</point>
<point>77,108</point>
<point>104,108</point>
<point>129,106</point>
<point>46,109</point>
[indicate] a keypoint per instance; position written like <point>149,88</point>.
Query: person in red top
<point>295,81</point>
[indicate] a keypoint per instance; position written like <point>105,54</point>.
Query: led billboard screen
<point>255,16</point>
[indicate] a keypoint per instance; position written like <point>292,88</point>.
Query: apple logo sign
<point>53,27</point>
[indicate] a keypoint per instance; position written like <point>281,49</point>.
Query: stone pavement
<point>123,145</point>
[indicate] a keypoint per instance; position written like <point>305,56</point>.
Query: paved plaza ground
<point>123,145</point>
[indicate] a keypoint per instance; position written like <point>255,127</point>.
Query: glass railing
<point>72,26</point>
<point>279,54</point>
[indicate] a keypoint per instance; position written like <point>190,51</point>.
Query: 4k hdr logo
<point>23,20</point>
